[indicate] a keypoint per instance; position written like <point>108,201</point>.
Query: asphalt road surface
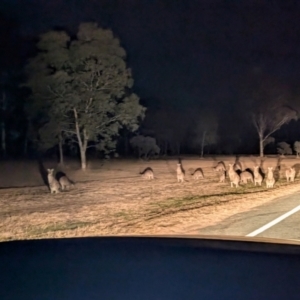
<point>282,217</point>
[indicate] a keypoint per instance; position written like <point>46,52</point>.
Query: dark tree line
<point>76,95</point>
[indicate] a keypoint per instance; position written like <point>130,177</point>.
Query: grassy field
<point>111,198</point>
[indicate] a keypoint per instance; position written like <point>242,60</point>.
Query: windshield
<point>149,118</point>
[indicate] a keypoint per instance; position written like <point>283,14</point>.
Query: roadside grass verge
<point>105,207</point>
<point>174,205</point>
<point>69,225</point>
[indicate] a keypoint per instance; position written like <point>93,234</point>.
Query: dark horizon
<point>184,57</point>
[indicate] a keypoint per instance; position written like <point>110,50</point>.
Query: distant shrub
<point>268,141</point>
<point>144,146</point>
<point>297,148</point>
<point>284,148</point>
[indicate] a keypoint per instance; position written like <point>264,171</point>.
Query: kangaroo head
<point>50,171</point>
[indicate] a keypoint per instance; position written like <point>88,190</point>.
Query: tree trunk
<point>25,146</point>
<point>3,139</point>
<point>203,143</point>
<point>165,148</point>
<point>178,148</point>
<point>61,153</point>
<point>26,138</point>
<point>3,127</point>
<point>82,142</point>
<point>261,146</point>
<point>126,144</point>
<point>83,159</point>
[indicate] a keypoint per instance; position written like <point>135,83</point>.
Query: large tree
<point>205,130</point>
<point>270,111</point>
<point>267,104</point>
<point>84,83</point>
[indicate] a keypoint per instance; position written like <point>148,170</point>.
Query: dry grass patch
<point>113,199</point>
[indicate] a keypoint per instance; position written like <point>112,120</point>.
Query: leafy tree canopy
<point>85,84</point>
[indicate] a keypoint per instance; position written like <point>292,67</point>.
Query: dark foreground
<point>148,268</point>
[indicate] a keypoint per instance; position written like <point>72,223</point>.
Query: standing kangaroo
<point>222,177</point>
<point>233,176</point>
<point>290,174</point>
<point>270,178</point>
<point>53,183</point>
<point>257,176</point>
<point>180,173</point>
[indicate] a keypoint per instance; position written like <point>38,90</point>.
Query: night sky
<point>182,53</point>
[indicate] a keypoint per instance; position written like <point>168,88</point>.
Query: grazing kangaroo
<point>233,176</point>
<point>65,183</point>
<point>245,176</point>
<point>222,177</point>
<point>53,183</point>
<point>198,173</point>
<point>220,167</point>
<point>148,174</point>
<point>290,174</point>
<point>257,176</point>
<point>270,178</point>
<point>180,173</point>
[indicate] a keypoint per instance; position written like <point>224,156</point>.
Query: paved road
<point>245,223</point>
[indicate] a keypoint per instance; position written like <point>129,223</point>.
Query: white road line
<point>272,223</point>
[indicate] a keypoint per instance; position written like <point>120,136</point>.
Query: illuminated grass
<point>116,200</point>
<point>36,231</point>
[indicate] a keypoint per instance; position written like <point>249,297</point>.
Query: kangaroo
<point>257,176</point>
<point>180,173</point>
<point>220,167</point>
<point>65,182</point>
<point>237,166</point>
<point>270,178</point>
<point>245,176</point>
<point>222,177</point>
<point>233,176</point>
<point>53,183</point>
<point>290,174</point>
<point>198,173</point>
<point>148,174</point>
